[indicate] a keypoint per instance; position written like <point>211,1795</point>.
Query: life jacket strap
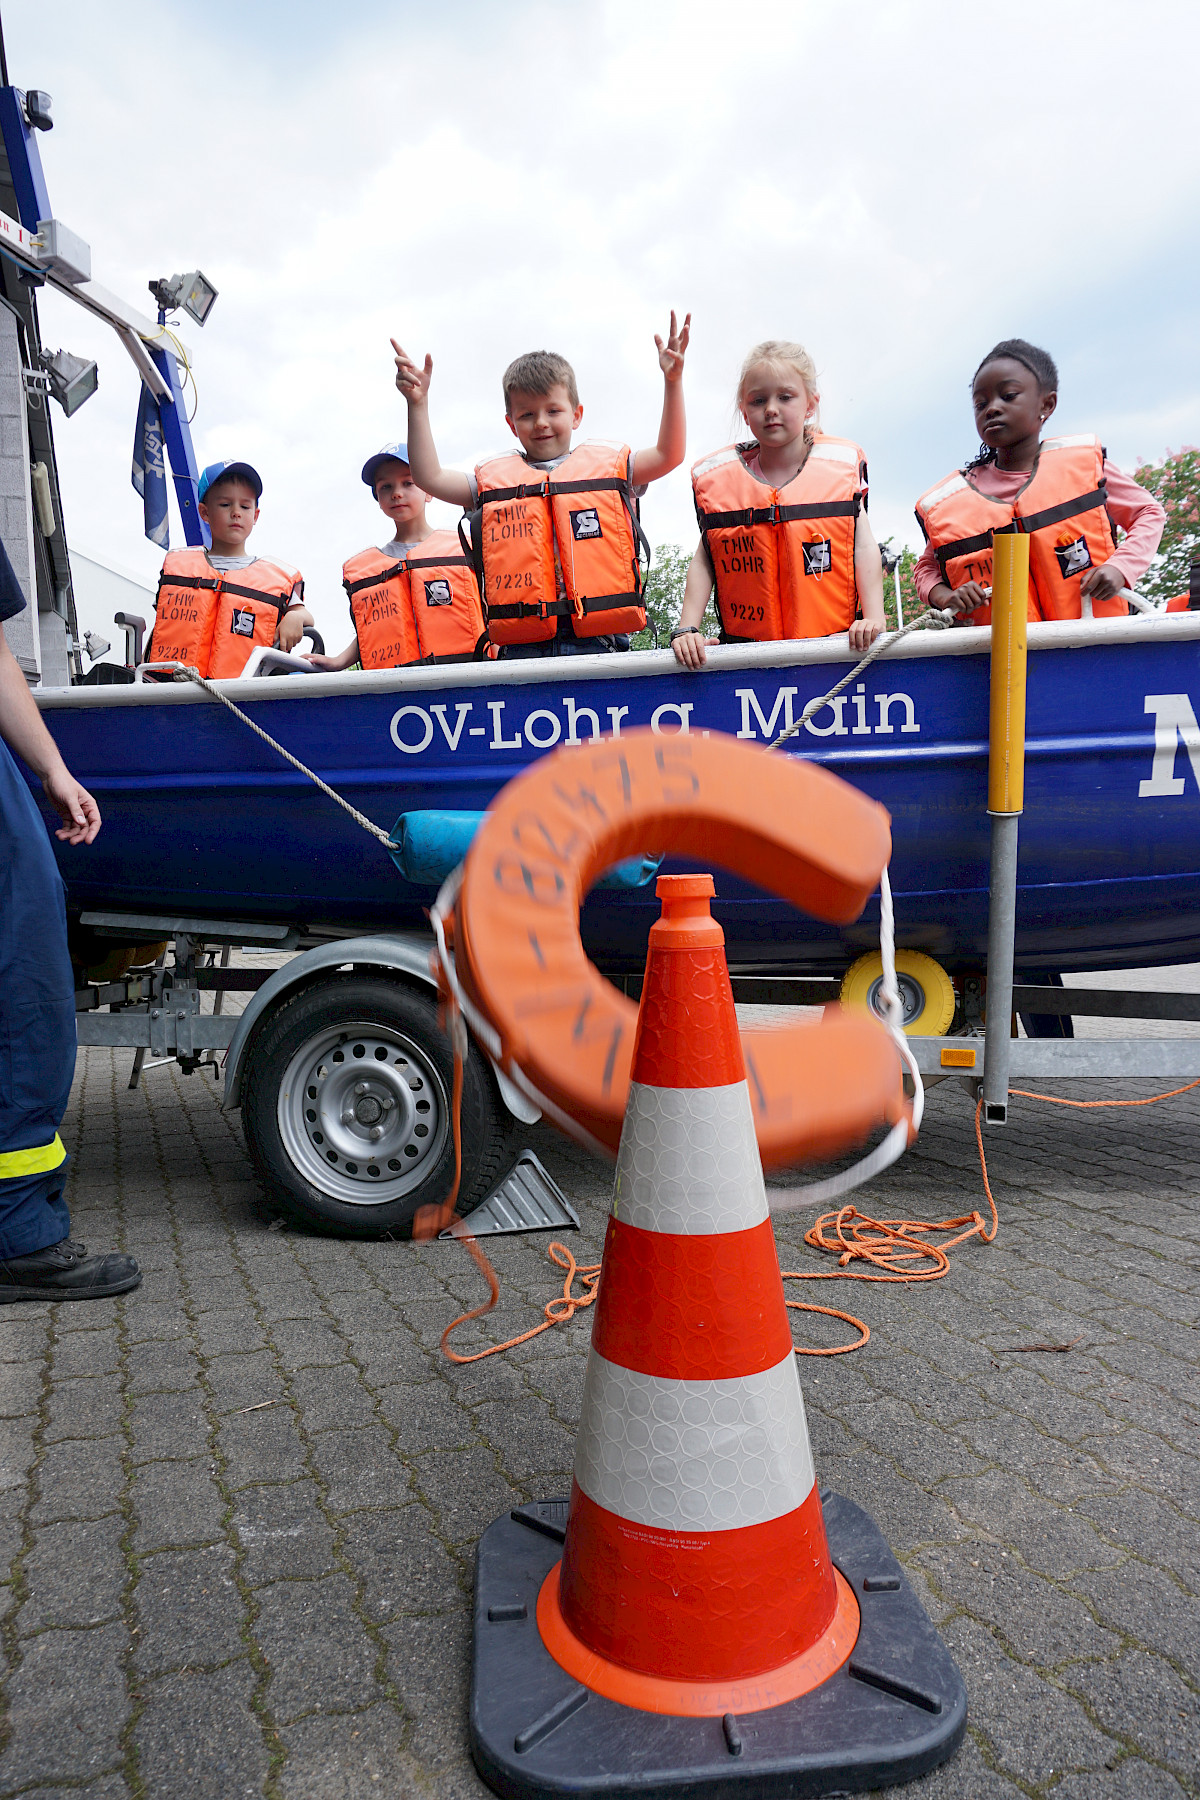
<point>545,609</point>
<point>779,515</point>
<point>599,484</point>
<point>1053,515</point>
<point>437,562</point>
<point>187,581</point>
<point>355,587</point>
<point>604,602</point>
<point>280,602</point>
<point>964,547</point>
<point>530,490</point>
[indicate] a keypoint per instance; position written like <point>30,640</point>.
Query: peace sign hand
<point>412,381</point>
<point>672,353</point>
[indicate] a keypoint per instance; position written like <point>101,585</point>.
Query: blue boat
<point>202,819</point>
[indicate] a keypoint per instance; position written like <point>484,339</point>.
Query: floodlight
<point>72,378</point>
<point>95,646</point>
<point>194,292</point>
<point>38,109</point>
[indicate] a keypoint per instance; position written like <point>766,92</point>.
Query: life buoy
<point>788,825</point>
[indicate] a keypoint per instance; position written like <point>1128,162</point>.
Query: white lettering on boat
<point>1174,722</point>
<point>783,700</point>
<point>407,712</point>
<point>682,713</point>
<point>414,728</point>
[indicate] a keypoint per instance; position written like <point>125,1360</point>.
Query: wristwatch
<point>682,630</point>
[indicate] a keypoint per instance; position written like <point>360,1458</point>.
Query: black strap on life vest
<point>545,609</point>
<point>604,602</point>
<point>440,562</point>
<point>779,515</point>
<point>356,587</point>
<point>280,603</point>
<point>1054,515</point>
<point>964,547</point>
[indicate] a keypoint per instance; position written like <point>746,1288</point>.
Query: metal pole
<point>1006,798</point>
<point>899,596</point>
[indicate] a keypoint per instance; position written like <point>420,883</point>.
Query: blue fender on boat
<point>428,846</point>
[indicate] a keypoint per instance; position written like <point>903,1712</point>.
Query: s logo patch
<point>1073,558</point>
<point>241,623</point>
<point>818,556</point>
<point>585,523</point>
<point>437,593</point>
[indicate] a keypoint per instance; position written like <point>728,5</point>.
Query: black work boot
<point>65,1271</point>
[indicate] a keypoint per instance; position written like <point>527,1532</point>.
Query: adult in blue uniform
<point>39,1260</point>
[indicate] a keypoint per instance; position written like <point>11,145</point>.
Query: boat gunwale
<point>780,654</point>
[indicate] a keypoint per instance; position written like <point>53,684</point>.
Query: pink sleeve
<point>1140,517</point>
<point>927,573</point>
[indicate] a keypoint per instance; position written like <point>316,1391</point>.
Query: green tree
<point>663,598</point>
<point>1175,484</point>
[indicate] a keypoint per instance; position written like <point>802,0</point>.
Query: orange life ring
<point>795,830</point>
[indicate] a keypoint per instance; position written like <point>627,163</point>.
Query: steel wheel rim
<point>912,997</point>
<point>363,1113</point>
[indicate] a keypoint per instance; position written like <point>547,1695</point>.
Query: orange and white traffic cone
<point>696,1581</point>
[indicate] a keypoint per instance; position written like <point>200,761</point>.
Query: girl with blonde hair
<point>784,536</point>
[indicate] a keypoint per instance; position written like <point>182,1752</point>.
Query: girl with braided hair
<point>1062,491</point>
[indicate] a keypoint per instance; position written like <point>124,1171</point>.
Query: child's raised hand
<point>672,353</point>
<point>412,381</point>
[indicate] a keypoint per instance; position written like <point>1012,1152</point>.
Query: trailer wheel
<point>346,1109</point>
<point>926,991</point>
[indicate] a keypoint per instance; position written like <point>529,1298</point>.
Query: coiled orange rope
<point>893,1248</point>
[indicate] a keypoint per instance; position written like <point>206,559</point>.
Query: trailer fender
<point>401,953</point>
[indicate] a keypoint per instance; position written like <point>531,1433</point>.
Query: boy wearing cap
<point>214,606</point>
<point>414,599</point>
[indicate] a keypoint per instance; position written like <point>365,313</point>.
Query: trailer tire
<point>346,1109</point>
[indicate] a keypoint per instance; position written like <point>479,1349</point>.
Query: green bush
<point>1175,484</point>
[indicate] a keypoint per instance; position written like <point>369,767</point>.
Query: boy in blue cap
<point>213,624</point>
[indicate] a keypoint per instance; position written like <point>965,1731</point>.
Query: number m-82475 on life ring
<point>787,825</point>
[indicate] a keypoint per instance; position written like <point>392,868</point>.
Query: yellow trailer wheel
<point>926,991</point>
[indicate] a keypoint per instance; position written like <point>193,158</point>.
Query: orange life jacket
<point>579,521</point>
<point>1061,507</point>
<point>424,608</point>
<point>782,558</point>
<point>213,619</point>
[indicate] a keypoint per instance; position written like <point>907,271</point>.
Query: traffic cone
<point>697,1632</point>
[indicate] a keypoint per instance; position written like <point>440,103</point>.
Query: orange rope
<point>890,1246</point>
<point>559,1311</point>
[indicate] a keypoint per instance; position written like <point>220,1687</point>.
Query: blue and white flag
<point>149,469</point>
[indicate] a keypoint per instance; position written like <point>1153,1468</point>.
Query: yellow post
<point>1006,796</point>
<point>1010,600</point>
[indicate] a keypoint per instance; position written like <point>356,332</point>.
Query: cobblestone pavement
<point>240,1505</point>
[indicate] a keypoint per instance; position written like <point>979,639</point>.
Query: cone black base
<point>896,1710</point>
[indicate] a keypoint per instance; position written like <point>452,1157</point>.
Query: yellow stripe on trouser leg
<point>32,1162</point>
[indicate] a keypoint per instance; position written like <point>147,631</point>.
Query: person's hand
<point>73,804</point>
<point>967,597</point>
<point>291,630</point>
<point>1102,583</point>
<point>863,633</point>
<point>689,649</point>
<point>412,381</point>
<point>322,662</point>
<point>672,353</point>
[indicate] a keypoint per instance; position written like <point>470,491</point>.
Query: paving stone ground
<point>239,1507</point>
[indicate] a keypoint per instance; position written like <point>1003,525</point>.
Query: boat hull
<point>202,818</point>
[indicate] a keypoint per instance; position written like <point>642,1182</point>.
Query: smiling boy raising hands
<point>555,533</point>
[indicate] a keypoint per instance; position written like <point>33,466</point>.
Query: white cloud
<point>896,184</point>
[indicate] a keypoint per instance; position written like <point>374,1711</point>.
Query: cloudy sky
<point>897,185</point>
